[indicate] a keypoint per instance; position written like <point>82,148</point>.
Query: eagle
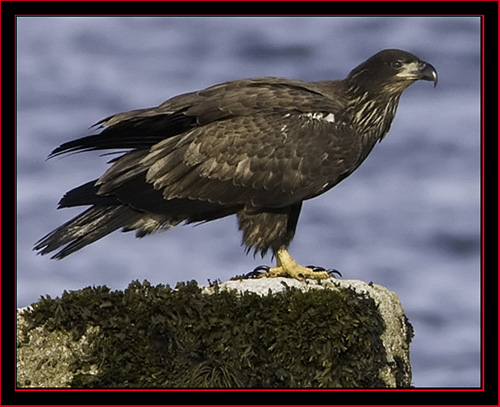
<point>255,148</point>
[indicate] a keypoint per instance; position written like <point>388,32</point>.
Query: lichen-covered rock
<point>48,358</point>
<point>258,333</point>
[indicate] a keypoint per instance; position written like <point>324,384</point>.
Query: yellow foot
<point>288,267</point>
<point>298,272</point>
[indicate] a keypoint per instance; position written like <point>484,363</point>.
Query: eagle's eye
<point>397,65</point>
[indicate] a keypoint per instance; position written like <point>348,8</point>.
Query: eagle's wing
<point>253,160</point>
<point>252,142</point>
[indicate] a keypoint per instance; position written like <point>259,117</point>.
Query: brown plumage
<point>256,148</point>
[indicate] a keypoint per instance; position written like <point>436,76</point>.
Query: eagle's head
<point>391,70</point>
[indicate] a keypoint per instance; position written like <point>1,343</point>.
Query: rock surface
<point>398,332</point>
<point>270,332</point>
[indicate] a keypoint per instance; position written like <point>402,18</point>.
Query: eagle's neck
<point>371,113</point>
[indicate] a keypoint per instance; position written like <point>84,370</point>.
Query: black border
<point>488,394</point>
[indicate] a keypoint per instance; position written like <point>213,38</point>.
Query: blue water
<point>408,218</point>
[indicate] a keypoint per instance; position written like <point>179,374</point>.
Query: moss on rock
<point>155,336</point>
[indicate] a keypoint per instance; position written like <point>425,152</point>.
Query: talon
<point>317,268</point>
<point>258,271</point>
<point>287,267</point>
<point>332,272</point>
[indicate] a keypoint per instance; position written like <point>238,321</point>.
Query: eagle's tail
<point>107,214</point>
<point>91,225</point>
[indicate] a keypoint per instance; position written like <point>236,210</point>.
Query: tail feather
<point>88,227</point>
<point>86,194</point>
<point>135,205</point>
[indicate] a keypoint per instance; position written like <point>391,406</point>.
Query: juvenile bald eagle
<point>256,148</point>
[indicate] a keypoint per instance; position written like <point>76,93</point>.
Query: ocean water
<point>408,218</point>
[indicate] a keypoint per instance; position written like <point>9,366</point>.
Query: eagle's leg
<point>288,267</point>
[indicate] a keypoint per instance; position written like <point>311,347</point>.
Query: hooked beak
<point>428,73</point>
<point>419,70</point>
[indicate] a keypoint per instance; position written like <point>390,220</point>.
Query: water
<point>408,218</point>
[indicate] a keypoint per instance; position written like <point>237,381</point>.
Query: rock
<point>255,333</point>
<point>396,336</point>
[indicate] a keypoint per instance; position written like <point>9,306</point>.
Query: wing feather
<point>256,143</point>
<point>248,161</point>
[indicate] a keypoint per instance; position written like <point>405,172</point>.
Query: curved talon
<point>258,271</point>
<point>287,267</point>
<point>331,272</point>
<point>316,268</point>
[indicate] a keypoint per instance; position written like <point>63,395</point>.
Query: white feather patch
<point>327,117</point>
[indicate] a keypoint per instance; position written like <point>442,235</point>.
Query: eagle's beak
<point>427,72</point>
<point>419,70</point>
